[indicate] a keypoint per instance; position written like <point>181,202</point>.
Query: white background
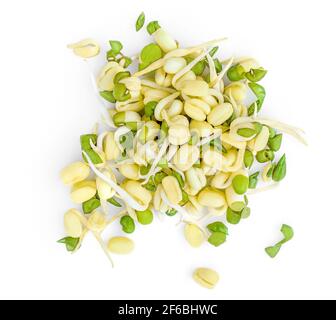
<point>47,102</point>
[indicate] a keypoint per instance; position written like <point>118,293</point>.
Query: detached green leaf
<point>153,26</point>
<point>218,226</point>
<point>140,21</point>
<point>273,251</point>
<point>288,234</point>
<point>70,243</point>
<point>116,46</point>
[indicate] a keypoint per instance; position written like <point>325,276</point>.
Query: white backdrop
<point>47,102</point>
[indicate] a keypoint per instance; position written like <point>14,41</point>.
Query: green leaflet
<point>279,171</point>
<point>140,21</point>
<point>149,54</point>
<point>152,27</point>
<point>288,234</point>
<point>70,243</point>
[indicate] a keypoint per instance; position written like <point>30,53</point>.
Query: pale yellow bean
<point>174,65</point>
<point>130,171</point>
<point>237,90</point>
<point>110,148</point>
<point>195,88</point>
<point>120,245</point>
<point>175,108</point>
<point>202,128</point>
<point>86,48</point>
<point>208,170</point>
<point>219,114</point>
<point>164,40</point>
<point>172,189</point>
<point>97,221</point>
<point>226,138</point>
<point>186,157</point>
<point>83,191</point>
<point>106,76</point>
<point>75,172</point>
<point>178,134</point>
<point>249,63</point>
<point>72,224</point>
<point>214,159</point>
<point>210,197</point>
<point>179,120</point>
<point>196,109</point>
<point>261,139</point>
<point>132,106</point>
<point>235,201</point>
<point>138,192</point>
<point>210,100</point>
<point>194,235</point>
<point>196,179</point>
<point>105,191</point>
<point>160,76</point>
<point>206,277</point>
<point>158,203</point>
<point>132,83</point>
<point>219,179</point>
<point>190,75</point>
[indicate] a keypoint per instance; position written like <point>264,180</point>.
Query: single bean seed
<point>206,277</point>
<point>75,172</point>
<point>120,245</point>
<point>72,224</point>
<point>194,235</point>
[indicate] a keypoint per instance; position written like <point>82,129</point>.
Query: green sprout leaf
<point>217,238</point>
<point>217,226</point>
<point>140,21</point>
<point>171,212</point>
<point>150,108</point>
<point>153,26</point>
<point>90,205</point>
<point>70,243</point>
<point>279,171</point>
<point>179,178</point>
<point>213,51</point>
<point>274,143</point>
<point>288,234</point>
<point>86,146</point>
<point>248,159</point>
<point>149,54</point>
<point>253,180</point>
<point>233,217</point>
<point>108,96</point>
<point>145,217</point>
<point>127,224</point>
<point>240,184</point>
<point>116,46</point>
<point>255,75</point>
<point>114,202</point>
<point>246,132</point>
<point>236,73</point>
